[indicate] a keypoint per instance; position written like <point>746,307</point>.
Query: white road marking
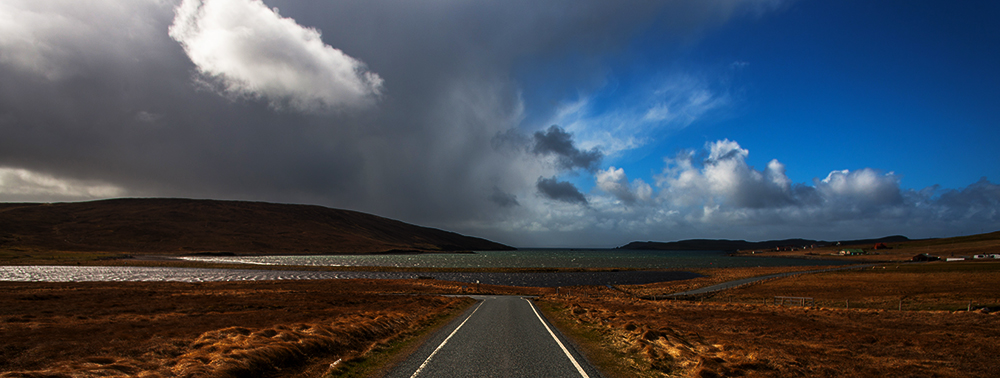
<point>577,364</point>
<point>428,360</point>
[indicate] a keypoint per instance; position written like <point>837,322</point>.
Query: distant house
<point>882,246</point>
<point>955,259</point>
<point>924,257</point>
<point>852,252</point>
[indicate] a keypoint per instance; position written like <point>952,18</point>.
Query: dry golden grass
<point>926,286</point>
<point>732,333</point>
<point>222,329</point>
<point>692,339</point>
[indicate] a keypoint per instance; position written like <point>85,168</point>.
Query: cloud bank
<point>722,196</point>
<point>21,185</point>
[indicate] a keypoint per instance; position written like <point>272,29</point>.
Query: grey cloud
<point>560,191</point>
<point>503,199</point>
<point>556,141</point>
<point>979,201</point>
<point>101,95</point>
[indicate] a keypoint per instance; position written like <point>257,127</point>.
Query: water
<point>161,274</point>
<point>530,258</point>
<point>539,258</point>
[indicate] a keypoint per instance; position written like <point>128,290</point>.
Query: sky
<point>534,124</point>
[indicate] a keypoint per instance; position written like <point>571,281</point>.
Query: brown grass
<point>928,286</point>
<point>225,329</point>
<point>717,338</point>
<point>711,277</point>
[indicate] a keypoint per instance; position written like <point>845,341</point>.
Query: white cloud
<point>250,50</point>
<point>615,182</point>
<point>18,184</point>
<point>865,187</point>
<point>672,104</point>
<point>725,179</point>
<point>683,100</point>
<point>721,195</point>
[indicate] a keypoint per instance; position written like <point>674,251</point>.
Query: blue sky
<point>561,123</point>
<point>907,87</point>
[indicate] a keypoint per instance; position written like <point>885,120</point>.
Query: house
<point>852,252</point>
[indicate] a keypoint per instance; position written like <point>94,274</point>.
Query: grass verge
<point>385,355</point>
<point>596,344</point>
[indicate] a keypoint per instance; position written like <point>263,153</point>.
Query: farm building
<point>852,252</point>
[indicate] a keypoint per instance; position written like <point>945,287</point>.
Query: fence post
<point>848,304</point>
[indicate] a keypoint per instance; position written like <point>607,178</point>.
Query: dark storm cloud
<point>556,141</point>
<point>503,199</point>
<point>98,96</point>
<point>560,191</point>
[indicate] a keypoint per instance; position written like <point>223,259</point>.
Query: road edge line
<point>428,360</point>
<point>553,334</point>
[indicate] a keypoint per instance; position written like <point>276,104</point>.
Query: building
<point>852,252</point>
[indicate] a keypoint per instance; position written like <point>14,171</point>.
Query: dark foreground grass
<point>733,333</point>
<point>384,356</point>
<point>215,329</point>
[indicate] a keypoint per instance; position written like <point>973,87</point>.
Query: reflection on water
<point>530,258</point>
<point>133,273</point>
<point>546,258</point>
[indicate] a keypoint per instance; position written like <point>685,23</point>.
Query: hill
<point>185,226</point>
<point>736,245</point>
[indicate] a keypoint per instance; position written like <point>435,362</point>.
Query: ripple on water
<point>164,274</point>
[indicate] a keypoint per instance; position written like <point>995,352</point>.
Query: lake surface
<point>536,258</point>
<point>147,274</point>
<point>531,258</point>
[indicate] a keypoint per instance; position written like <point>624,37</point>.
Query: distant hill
<point>184,226</point>
<point>737,245</point>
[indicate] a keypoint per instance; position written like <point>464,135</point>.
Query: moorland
<point>168,226</point>
<point>891,318</point>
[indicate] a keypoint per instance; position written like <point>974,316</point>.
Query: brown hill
<point>735,245</point>
<point>184,226</point>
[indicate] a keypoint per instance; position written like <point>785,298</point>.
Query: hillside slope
<point>184,226</point>
<point>734,245</point>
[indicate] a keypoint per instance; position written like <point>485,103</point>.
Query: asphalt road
<point>501,336</point>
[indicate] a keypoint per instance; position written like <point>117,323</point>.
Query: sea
<point>639,267</point>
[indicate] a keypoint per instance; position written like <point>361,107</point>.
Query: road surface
<point>501,336</point>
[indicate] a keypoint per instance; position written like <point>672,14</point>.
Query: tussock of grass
<point>266,329</point>
<point>245,352</point>
<point>718,338</point>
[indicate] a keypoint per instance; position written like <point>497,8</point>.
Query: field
<point>937,319</point>
<point>220,329</point>
<point>734,333</point>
